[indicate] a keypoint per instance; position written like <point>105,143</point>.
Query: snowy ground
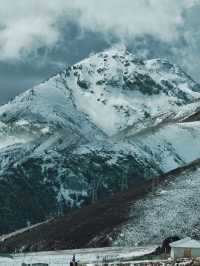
<point>172,209</point>
<point>62,258</point>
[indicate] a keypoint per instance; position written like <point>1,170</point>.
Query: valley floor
<point>84,256</point>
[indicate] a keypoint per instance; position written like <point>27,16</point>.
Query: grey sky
<point>17,76</point>
<point>39,37</point>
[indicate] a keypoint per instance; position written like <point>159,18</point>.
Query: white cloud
<point>133,18</point>
<point>26,26</point>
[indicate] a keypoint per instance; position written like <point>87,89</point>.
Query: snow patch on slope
<point>174,209</point>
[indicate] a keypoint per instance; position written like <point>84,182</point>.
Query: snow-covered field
<point>62,258</point>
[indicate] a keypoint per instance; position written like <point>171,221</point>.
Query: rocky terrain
<point>107,124</point>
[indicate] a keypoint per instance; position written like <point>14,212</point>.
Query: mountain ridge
<point>107,123</point>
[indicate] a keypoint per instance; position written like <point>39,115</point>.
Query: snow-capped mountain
<point>107,123</point>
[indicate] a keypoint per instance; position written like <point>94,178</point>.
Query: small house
<point>185,248</point>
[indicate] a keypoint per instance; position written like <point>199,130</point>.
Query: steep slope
<point>172,209</point>
<point>107,123</point>
<point>113,90</point>
<point>127,219</point>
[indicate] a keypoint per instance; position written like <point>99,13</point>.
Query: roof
<point>186,243</point>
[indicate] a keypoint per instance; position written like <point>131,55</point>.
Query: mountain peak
<point>110,121</point>
<point>113,89</point>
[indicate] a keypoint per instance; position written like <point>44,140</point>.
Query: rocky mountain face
<point>110,122</point>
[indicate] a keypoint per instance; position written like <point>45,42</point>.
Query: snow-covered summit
<point>113,90</point>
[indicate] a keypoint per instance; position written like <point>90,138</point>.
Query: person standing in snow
<point>73,262</point>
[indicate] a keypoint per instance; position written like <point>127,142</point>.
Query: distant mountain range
<point>107,124</point>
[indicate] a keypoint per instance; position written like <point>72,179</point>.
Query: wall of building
<point>180,252</point>
<point>196,252</point>
<point>177,252</point>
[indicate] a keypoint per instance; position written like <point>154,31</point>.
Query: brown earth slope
<point>91,226</point>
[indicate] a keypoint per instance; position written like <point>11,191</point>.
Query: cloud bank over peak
<point>26,26</point>
<point>133,18</point>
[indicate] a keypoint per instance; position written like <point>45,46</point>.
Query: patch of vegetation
<point>83,84</point>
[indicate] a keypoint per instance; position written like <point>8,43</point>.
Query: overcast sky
<point>39,37</point>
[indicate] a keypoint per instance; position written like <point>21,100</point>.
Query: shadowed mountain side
<point>92,226</point>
